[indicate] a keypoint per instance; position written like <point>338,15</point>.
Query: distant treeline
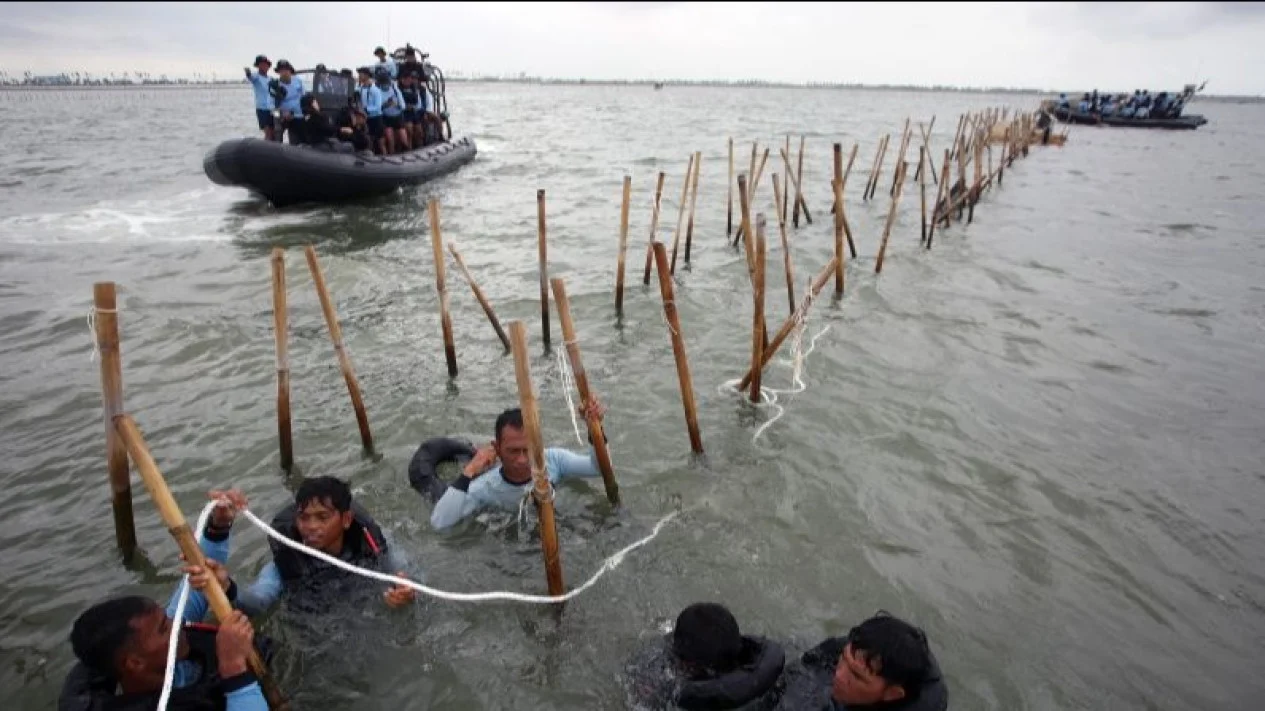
<point>147,79</point>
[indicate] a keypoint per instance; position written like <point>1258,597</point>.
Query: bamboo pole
<point>878,151</point>
<point>729,220</point>
<point>131,437</point>
<point>654,228</point>
<point>940,201</point>
<point>755,151</point>
<point>280,330</point>
<point>541,489</point>
<point>623,243</point>
<point>542,242</point>
<point>751,190</point>
<point>979,178</point>
<point>786,194</point>
<point>478,295</point>
<point>778,200</point>
<point>689,230</point>
<point>106,321</point>
<point>336,336</point>
<point>441,287</point>
<point>922,189</point>
<point>680,210</point>
<point>789,324</point>
<point>791,175</point>
<point>799,180</point>
<point>596,433</point>
<point>757,329</point>
<point>925,132</point>
<point>840,222</point>
<point>900,160</point>
<point>843,183</point>
<point>891,217</point>
<point>744,229</point>
<point>678,347</point>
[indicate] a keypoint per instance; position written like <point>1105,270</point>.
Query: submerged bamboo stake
<point>744,229</point>
<point>757,328</point>
<point>795,181</point>
<point>623,244</point>
<point>925,132</point>
<point>729,220</point>
<point>878,151</point>
<point>842,177</point>
<point>941,202</point>
<point>654,228</point>
<point>789,324</point>
<point>878,173</point>
<point>900,160</point>
<point>786,194</point>
<point>678,347</point>
<point>441,287</point>
<point>680,209</point>
<point>542,242</point>
<point>186,538</point>
<point>840,222</point>
<point>105,316</point>
<point>799,180</point>
<point>336,335</point>
<point>478,294</point>
<point>778,200</point>
<point>689,230</point>
<point>891,217</point>
<point>922,189</point>
<point>280,329</point>
<point>978,179</point>
<point>751,190</point>
<point>541,489</point>
<point>596,433</point>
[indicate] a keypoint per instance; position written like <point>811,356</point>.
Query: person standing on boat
<point>387,63</point>
<point>288,102</point>
<point>499,475</point>
<point>413,104</point>
<point>392,113</point>
<point>263,100</point>
<point>371,103</point>
<point>322,517</point>
<point>121,645</point>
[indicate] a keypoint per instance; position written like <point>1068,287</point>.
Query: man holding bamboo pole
<point>121,645</point>
<point>500,474</point>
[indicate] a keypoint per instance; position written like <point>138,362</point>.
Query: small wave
<point>1189,313</point>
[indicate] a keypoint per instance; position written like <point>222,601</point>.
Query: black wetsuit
<point>656,681</point>
<point>806,684</point>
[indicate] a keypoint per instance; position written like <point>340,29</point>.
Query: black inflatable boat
<point>286,174</point>
<point>1189,122</point>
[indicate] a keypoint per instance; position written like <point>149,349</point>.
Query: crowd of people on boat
<point>705,662</point>
<point>1142,104</point>
<point>388,111</point>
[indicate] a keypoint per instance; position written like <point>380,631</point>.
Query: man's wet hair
<point>509,418</point>
<point>101,631</point>
<point>895,650</point>
<point>326,490</point>
<point>706,638</point>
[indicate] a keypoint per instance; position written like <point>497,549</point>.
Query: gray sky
<point>1119,46</point>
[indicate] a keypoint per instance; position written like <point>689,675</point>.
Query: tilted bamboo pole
<point>678,347</point>
<point>596,433</point>
<point>789,324</point>
<point>786,160</point>
<point>689,230</point>
<point>729,220</point>
<point>478,295</point>
<point>778,200</point>
<point>654,228</point>
<point>623,244</point>
<point>441,287</point>
<point>680,211</point>
<point>542,243</point>
<point>185,537</point>
<point>757,329</point>
<point>891,217</point>
<point>336,335</point>
<point>799,180</point>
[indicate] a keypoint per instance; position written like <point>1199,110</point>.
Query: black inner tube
<point>422,469</point>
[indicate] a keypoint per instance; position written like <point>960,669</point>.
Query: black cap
<point>284,64</point>
<point>261,59</point>
<point>379,50</point>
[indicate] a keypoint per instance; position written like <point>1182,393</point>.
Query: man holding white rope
<point>122,646</point>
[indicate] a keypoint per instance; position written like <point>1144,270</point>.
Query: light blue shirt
<point>371,100</point>
<point>263,100</point>
<point>398,107</point>
<point>491,490</point>
<point>187,671</point>
<point>392,68</point>
<point>294,92</point>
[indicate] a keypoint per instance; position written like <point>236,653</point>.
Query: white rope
<point>568,382</point>
<point>769,396</point>
<point>177,624</point>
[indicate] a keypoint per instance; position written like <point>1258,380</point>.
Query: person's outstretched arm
<point>462,498</point>
<point>259,596</point>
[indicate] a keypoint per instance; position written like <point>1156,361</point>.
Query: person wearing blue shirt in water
<point>485,483</point>
<point>371,103</point>
<point>121,645</point>
<point>322,517</point>
<point>289,90</point>
<point>263,99</point>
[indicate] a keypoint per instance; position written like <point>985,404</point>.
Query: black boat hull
<point>1183,123</point>
<point>286,174</point>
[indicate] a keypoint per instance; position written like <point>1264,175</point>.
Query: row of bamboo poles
<point>972,147</point>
